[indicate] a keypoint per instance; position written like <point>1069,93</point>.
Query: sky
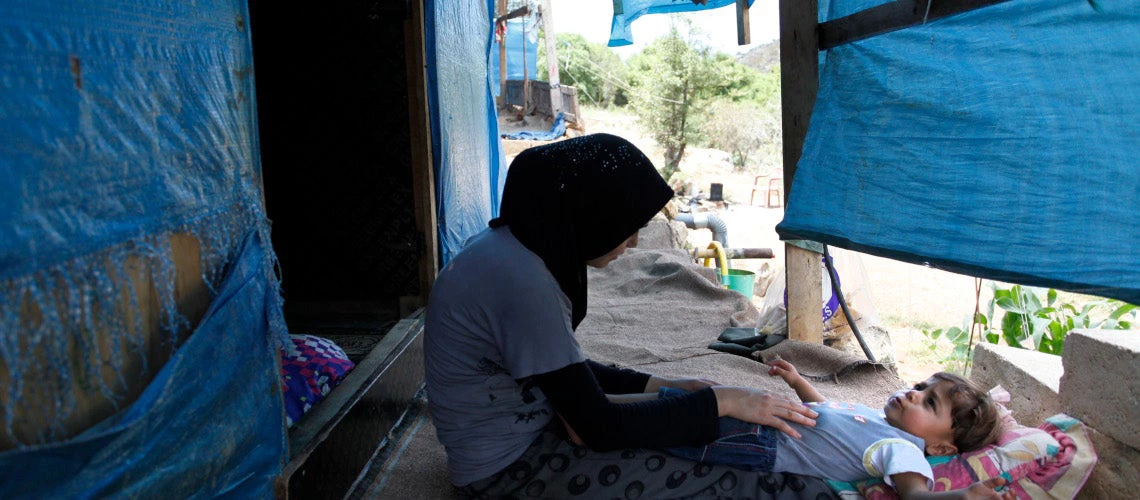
<point>592,18</point>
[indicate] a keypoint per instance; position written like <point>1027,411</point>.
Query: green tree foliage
<point>674,80</point>
<point>1030,320</point>
<point>594,69</point>
<point>750,132</point>
<point>671,78</point>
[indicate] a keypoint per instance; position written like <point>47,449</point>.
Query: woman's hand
<point>762,407</point>
<point>685,384</point>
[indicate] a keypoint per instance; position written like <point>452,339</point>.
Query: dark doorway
<point>334,140</point>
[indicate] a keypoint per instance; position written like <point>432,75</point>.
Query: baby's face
<point>923,411</point>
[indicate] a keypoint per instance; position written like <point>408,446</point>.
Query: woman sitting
<point>504,369</point>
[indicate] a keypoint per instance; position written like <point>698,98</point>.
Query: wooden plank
<point>551,58</point>
<point>423,179</point>
<point>892,16</point>
<point>502,11</point>
<point>743,32</point>
<point>805,295</point>
<point>799,82</point>
<point>332,445</point>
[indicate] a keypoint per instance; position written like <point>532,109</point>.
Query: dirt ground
<point>903,298</point>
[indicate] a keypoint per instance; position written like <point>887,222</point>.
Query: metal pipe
<point>736,253</point>
<point>706,220</point>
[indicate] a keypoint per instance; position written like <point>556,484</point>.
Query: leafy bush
<point>1028,322</point>
<point>594,69</point>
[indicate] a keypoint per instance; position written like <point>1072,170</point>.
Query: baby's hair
<point>976,420</point>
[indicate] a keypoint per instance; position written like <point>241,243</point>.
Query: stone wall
<point>1097,380</point>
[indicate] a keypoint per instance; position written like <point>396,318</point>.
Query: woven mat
<point>656,311</point>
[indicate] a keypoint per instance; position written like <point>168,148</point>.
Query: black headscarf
<point>575,200</point>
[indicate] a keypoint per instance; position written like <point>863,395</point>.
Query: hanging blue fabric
<point>627,11</point>
<point>520,49</point>
<point>998,143</point>
<point>558,129</point>
<point>465,127</point>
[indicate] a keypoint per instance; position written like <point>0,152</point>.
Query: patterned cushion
<point>311,366</point>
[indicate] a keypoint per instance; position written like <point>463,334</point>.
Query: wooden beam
<point>799,82</point>
<point>805,294</point>
<point>892,16</point>
<point>743,32</point>
<point>551,58</point>
<point>502,11</point>
<point>423,178</point>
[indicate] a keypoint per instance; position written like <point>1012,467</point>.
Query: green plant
<point>1029,321</point>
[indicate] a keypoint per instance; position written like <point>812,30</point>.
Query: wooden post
<point>743,32</point>
<point>551,59</point>
<point>799,82</point>
<point>423,180</point>
<point>502,11</point>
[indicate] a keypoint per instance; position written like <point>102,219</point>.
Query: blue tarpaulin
<point>123,126</point>
<point>998,143</point>
<point>521,48</point>
<point>210,423</point>
<point>465,128</point>
<point>558,129</point>
<point>627,11</point>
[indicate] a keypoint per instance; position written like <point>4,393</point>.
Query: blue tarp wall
<point>999,143</point>
<point>469,162</point>
<point>122,126</point>
<point>520,48</point>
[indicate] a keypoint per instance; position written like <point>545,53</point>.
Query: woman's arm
<point>688,419</point>
<point>615,380</point>
<point>605,425</point>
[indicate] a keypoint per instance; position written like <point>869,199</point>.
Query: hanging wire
<point>974,325</point>
<point>598,72</point>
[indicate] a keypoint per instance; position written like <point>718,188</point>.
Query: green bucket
<point>739,280</point>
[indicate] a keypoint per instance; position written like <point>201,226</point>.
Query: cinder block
<point>1117,471</point>
<point>1101,385</point>
<point>1032,379</point>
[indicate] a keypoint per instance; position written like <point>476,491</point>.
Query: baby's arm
<point>912,486</point>
<point>804,389</point>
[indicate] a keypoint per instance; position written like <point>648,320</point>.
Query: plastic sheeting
<point>998,143</point>
<point>465,130</point>
<point>558,129</point>
<point>122,126</point>
<point>521,48</point>
<point>210,424</point>
<point>627,11</point>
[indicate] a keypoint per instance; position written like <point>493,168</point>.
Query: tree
<point>743,129</point>
<point>671,78</point>
<point>594,69</point>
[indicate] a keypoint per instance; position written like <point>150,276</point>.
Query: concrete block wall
<point>1101,383</point>
<point>1097,380</point>
<point>1032,379</point>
